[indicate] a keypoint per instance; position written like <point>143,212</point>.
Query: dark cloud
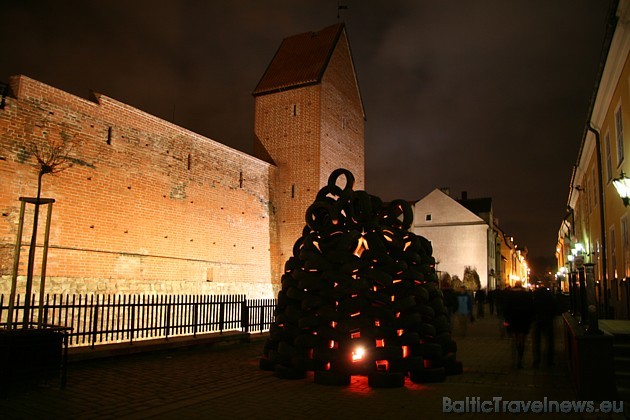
<point>487,96</point>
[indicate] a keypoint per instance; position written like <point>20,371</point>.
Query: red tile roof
<point>301,60</point>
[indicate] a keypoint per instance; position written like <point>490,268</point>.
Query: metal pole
<point>593,319</point>
<point>16,265</point>
<point>583,301</point>
<point>31,256</point>
<point>602,216</point>
<point>42,282</point>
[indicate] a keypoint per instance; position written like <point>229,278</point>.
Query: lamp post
<point>622,185</point>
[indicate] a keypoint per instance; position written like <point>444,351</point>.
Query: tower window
<point>295,110</point>
<point>428,217</point>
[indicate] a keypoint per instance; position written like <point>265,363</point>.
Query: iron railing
<point>102,319</point>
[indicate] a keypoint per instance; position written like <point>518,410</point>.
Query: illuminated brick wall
<point>150,207</point>
<point>308,132</point>
<point>147,206</point>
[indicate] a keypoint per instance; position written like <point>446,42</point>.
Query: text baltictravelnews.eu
<point>499,405</point>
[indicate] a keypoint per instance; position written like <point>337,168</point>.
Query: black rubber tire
<point>385,353</point>
<point>286,350</point>
<point>285,372</point>
<point>328,314</point>
<point>431,350</point>
<point>450,347</point>
<point>414,363</point>
<point>321,216</point>
<point>266,364</point>
<point>332,181</point>
<point>295,293</point>
<point>352,305</point>
<point>427,330</point>
<point>454,368</point>
<point>327,377</point>
<point>307,341</point>
<point>441,324</point>
<point>428,375</point>
<point>309,322</point>
<point>386,379</point>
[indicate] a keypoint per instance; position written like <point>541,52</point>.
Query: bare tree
<point>53,155</point>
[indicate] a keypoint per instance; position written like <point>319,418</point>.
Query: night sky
<point>488,97</point>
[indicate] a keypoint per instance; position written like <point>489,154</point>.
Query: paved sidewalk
<point>224,382</point>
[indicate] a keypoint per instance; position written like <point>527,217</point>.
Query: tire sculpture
<point>360,296</point>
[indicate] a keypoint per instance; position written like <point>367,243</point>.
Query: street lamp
<point>622,185</point>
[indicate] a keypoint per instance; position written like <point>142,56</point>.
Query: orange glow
<point>362,245</point>
<point>358,354</point>
<point>382,365</point>
<point>405,350</point>
<point>377,323</point>
<point>327,367</point>
<point>407,244</point>
<point>380,343</point>
<point>397,281</point>
<point>355,334</point>
<point>333,324</point>
<point>331,344</point>
<point>355,314</point>
<point>400,332</point>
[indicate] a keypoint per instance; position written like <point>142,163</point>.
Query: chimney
<point>464,195</point>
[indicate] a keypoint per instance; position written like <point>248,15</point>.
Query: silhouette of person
<point>545,309</point>
<point>490,299</point>
<point>464,310</point>
<point>480,298</point>
<point>518,310</point>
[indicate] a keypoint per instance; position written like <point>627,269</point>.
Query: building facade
<point>150,207</point>
<point>464,233</point>
<point>595,226</point>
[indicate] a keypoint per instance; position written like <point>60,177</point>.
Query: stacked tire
<point>360,296</point>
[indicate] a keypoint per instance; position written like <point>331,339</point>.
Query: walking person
<point>545,309</point>
<point>490,298</point>
<point>464,310</point>
<point>518,310</point>
<point>480,298</point>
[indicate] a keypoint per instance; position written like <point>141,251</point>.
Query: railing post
<point>168,318</point>
<point>262,316</point>
<point>195,316</point>
<point>94,322</point>
<point>132,330</point>
<point>221,315</point>
<point>244,316</point>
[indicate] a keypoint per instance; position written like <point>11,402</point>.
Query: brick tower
<point>309,121</point>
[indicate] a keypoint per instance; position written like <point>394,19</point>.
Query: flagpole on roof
<point>339,8</point>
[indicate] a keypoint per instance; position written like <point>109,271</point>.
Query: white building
<point>461,232</point>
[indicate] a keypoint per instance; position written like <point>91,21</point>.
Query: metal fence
<point>102,319</point>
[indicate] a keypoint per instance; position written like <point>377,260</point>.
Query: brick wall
<point>342,119</point>
<point>308,132</point>
<point>146,207</point>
